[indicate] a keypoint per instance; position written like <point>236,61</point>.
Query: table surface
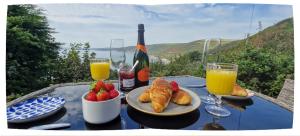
<point>252,114</point>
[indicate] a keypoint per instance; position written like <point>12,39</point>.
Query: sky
<point>99,23</point>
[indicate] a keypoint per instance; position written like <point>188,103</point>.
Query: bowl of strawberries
<point>101,104</point>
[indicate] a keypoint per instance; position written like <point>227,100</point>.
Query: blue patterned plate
<point>34,109</point>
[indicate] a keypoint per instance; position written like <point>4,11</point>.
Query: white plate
<point>250,94</point>
<point>171,110</point>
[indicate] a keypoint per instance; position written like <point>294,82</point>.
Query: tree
<point>31,51</point>
<point>73,62</point>
<point>86,63</point>
<point>93,55</point>
<point>72,66</point>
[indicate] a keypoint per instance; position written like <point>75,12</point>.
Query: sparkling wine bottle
<point>142,71</point>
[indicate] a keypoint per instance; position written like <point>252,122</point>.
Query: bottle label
<point>143,74</point>
<point>142,48</point>
<point>128,82</point>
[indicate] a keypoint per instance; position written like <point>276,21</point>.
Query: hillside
<point>168,50</point>
<point>279,37</point>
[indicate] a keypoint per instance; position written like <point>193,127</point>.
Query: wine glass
<point>208,99</point>
<point>100,68</point>
<point>117,57</point>
<point>220,80</point>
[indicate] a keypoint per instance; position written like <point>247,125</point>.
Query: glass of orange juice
<point>100,68</point>
<point>220,80</point>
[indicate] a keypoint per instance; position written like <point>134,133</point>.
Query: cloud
<point>218,10</point>
<point>98,23</point>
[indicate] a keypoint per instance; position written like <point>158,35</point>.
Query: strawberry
<point>91,96</point>
<point>98,86</point>
<point>109,86</point>
<point>113,93</point>
<point>102,95</point>
<point>174,86</point>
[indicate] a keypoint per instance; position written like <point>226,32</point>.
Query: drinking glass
<point>117,53</point>
<point>100,68</point>
<point>117,57</point>
<point>220,80</point>
<point>208,44</point>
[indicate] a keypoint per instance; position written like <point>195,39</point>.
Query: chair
<point>286,94</point>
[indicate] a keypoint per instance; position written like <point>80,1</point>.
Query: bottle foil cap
<point>141,27</point>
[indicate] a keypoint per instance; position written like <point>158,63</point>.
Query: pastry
<point>159,82</point>
<point>181,98</point>
<point>239,91</point>
<point>160,94</point>
<point>145,96</point>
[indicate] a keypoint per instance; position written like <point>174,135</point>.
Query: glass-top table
<point>256,113</point>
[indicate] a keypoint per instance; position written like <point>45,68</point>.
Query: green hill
<point>171,49</point>
<point>279,37</point>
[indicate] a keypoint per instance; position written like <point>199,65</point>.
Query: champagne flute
<point>220,80</point>
<point>117,52</point>
<point>117,57</point>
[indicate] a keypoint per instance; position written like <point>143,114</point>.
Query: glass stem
<point>218,100</point>
<point>119,82</point>
<point>215,121</point>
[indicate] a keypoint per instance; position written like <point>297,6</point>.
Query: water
<point>128,55</point>
<point>106,54</point>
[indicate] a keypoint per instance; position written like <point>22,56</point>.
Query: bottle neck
<point>141,38</point>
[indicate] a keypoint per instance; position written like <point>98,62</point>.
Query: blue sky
<point>98,23</point>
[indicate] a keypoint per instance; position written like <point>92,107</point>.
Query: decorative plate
<point>171,110</point>
<point>34,109</point>
<point>250,94</point>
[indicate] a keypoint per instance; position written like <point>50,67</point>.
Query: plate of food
<point>239,93</point>
<point>163,98</point>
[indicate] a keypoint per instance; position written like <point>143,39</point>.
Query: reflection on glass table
<point>255,113</point>
<point>213,125</point>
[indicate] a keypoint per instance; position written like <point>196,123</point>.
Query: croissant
<point>181,98</point>
<point>145,96</point>
<point>160,82</point>
<point>239,91</point>
<point>160,94</point>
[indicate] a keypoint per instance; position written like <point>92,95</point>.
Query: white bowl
<point>98,112</point>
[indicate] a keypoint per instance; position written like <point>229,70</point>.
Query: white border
<point>3,124</point>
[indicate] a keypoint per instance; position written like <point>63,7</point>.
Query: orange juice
<point>220,82</point>
<point>100,70</point>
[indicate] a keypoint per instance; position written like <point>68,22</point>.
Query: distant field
<point>171,49</point>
